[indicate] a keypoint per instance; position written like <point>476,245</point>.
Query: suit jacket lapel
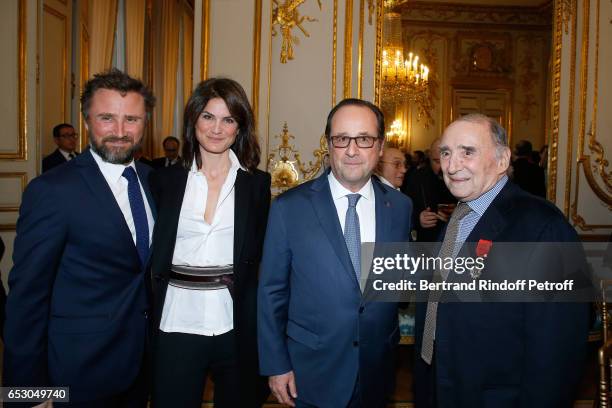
<point>328,217</point>
<point>100,189</point>
<point>242,195</point>
<point>143,175</point>
<point>383,215</point>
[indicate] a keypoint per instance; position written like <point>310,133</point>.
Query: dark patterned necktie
<point>352,234</point>
<point>448,246</point>
<point>139,214</point>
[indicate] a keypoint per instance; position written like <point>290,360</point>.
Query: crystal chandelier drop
<point>404,77</point>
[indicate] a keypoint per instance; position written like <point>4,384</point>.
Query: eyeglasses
<point>363,142</point>
<point>69,135</point>
<point>396,164</point>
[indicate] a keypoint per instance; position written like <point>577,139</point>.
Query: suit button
<point>145,314</point>
<point>361,308</point>
<point>355,344</point>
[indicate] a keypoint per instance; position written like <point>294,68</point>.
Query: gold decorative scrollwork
<point>567,10</point>
<point>528,77</point>
<point>286,166</point>
<point>600,166</point>
<point>371,9</point>
<point>287,17</point>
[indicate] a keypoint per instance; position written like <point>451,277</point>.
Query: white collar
<point>387,182</point>
<point>234,163</point>
<point>112,172</point>
<point>339,191</point>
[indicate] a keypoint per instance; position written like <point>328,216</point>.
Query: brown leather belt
<point>202,277</point>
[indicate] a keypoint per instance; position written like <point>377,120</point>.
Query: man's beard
<point>114,155</point>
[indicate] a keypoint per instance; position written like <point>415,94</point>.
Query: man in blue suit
<point>77,310</point>
<point>497,355</point>
<point>319,342</point>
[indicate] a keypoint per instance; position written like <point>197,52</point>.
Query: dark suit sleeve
<point>41,232</point>
<point>555,338</point>
<point>155,186</point>
<point>273,296</point>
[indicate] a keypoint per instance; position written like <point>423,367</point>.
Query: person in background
<point>432,201</point>
<point>391,167</point>
<point>138,156</point>
<point>528,175</point>
<point>65,138</point>
<point>77,313</point>
<point>171,153</point>
<point>212,214</point>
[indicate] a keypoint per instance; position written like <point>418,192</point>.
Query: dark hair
<point>171,139</point>
<point>119,81</point>
<point>524,148</point>
<point>246,146</point>
<point>57,128</point>
<point>380,118</point>
<point>497,131</point>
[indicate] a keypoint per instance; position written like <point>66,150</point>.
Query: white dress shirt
<point>387,182</point>
<point>67,154</point>
<point>203,312</point>
<point>113,174</point>
<point>366,207</point>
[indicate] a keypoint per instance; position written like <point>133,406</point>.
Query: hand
<point>442,216</point>
<point>279,384</point>
<point>46,404</point>
<point>428,218</point>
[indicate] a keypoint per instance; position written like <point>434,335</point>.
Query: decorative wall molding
<point>595,170</point>
<point>22,67</point>
<point>22,178</point>
<point>464,13</point>
<point>553,144</point>
<point>570,118</point>
<point>205,41</point>
<point>348,47</point>
<point>256,57</point>
<point>528,77</point>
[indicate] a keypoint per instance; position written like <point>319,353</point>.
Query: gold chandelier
<point>405,79</point>
<point>396,135</point>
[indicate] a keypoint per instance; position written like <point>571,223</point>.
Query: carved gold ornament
<point>287,17</point>
<point>286,166</point>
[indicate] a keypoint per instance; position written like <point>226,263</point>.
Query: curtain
<point>134,37</point>
<point>168,60</point>
<point>102,20</point>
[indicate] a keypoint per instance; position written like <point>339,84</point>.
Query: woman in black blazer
<point>207,243</point>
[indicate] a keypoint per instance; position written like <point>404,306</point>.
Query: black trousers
<point>181,363</point>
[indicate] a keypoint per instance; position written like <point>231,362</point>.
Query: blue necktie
<point>138,214</point>
<point>352,235</point>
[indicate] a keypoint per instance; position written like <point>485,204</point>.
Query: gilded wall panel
<point>12,185</point>
<point>298,91</point>
<point>11,144</point>
<point>591,209</point>
<point>19,155</point>
<point>231,41</point>
<point>55,72</point>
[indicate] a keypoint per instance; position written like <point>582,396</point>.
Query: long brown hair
<point>246,146</point>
